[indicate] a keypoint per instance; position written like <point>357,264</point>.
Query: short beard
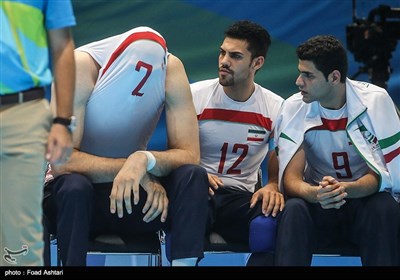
<point>226,82</point>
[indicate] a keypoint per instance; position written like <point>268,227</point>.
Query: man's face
<point>234,62</point>
<point>312,83</point>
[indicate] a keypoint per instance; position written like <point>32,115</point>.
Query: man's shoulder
<point>368,94</point>
<point>269,93</point>
<point>294,100</point>
<point>294,105</point>
<point>365,89</point>
<point>204,83</point>
<point>200,86</point>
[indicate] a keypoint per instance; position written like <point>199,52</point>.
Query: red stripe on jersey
<point>332,125</point>
<point>236,116</point>
<point>255,139</point>
<point>133,38</point>
<point>390,156</point>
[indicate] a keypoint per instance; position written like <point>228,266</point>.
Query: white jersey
<point>234,135</point>
<point>126,103</point>
<point>329,151</point>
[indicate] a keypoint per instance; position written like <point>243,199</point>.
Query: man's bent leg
<point>376,230</point>
<point>187,189</point>
<point>72,196</point>
<point>294,234</point>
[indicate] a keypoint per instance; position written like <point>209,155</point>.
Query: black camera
<point>372,42</point>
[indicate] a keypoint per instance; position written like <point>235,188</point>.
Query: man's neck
<point>240,93</point>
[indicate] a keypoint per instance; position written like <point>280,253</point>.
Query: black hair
<point>327,53</point>
<point>257,36</point>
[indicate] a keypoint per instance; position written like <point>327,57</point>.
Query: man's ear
<point>335,77</point>
<point>258,62</point>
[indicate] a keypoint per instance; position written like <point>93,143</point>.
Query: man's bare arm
<point>293,182</point>
<point>59,142</point>
<point>182,126</point>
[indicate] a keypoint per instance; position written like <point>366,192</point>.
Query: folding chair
<point>147,245</point>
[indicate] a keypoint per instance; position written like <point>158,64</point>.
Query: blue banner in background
<point>294,21</point>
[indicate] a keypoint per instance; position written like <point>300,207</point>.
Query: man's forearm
<point>172,159</point>
<point>364,186</point>
<point>97,169</point>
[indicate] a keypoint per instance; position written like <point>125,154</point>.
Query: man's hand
<point>59,145</point>
<point>272,201</point>
<point>215,183</point>
<point>127,182</point>
<point>331,193</point>
<point>157,200</point>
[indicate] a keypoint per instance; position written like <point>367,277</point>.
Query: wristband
<point>151,160</point>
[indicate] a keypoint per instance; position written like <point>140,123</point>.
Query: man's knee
<point>383,206</point>
<point>194,177</point>
<point>61,192</point>
<point>295,204</point>
<point>191,171</point>
<point>73,185</point>
<point>296,213</point>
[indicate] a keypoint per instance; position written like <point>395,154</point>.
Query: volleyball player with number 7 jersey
<point>112,184</point>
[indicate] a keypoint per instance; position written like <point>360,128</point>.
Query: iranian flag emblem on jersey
<point>256,135</point>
